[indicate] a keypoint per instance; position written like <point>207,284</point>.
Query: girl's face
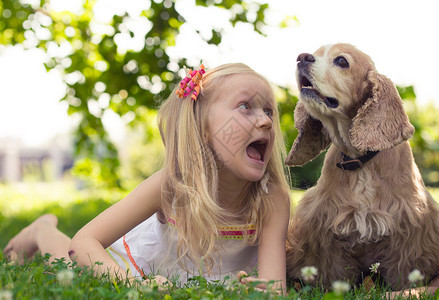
<point>240,127</point>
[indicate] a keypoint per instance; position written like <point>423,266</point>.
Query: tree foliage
<point>103,75</point>
<point>425,140</point>
<point>100,74</point>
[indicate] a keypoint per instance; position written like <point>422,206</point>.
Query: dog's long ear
<point>311,140</point>
<point>381,122</point>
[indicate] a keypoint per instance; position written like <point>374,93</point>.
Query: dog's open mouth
<point>306,88</point>
<point>256,150</point>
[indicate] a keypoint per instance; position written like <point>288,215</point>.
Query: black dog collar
<point>351,164</point>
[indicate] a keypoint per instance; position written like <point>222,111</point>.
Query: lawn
<point>21,203</point>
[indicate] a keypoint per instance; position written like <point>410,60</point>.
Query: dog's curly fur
<point>381,212</point>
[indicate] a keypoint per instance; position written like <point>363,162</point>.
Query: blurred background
<point>80,82</point>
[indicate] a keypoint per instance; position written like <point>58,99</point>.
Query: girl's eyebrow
<point>252,98</point>
<point>262,100</point>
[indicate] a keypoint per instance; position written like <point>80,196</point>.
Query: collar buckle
<point>350,165</point>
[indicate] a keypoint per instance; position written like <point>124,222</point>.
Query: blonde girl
<point>219,206</point>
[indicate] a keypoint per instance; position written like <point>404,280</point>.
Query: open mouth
<point>306,88</point>
<point>256,150</point>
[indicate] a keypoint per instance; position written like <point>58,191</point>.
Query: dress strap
<point>127,249</point>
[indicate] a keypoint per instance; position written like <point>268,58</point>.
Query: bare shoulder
<point>280,212</point>
<point>279,197</point>
<point>148,191</point>
<point>153,183</point>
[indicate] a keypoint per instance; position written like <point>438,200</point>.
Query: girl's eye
<point>268,112</point>
<point>244,106</point>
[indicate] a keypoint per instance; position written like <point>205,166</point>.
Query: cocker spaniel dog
<point>370,203</point>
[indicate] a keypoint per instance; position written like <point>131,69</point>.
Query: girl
<point>219,205</point>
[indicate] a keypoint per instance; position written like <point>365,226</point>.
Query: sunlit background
<point>398,35</point>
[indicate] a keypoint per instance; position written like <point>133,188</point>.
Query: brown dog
<point>370,204</point>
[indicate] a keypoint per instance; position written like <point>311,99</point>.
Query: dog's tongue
<point>252,152</point>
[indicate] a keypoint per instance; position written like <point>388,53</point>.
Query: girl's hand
<point>158,280</point>
<point>412,293</point>
<point>416,292</point>
<point>262,284</point>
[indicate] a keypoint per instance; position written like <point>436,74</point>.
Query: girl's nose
<point>263,120</point>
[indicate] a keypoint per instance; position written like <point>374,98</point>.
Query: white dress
<point>150,248</point>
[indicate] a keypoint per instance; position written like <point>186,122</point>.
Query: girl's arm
<point>89,244</point>
<point>271,248</point>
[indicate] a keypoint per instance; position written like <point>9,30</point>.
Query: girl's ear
<point>311,140</point>
<point>381,123</point>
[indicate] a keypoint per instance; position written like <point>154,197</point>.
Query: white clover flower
<point>340,287</point>
<point>65,277</point>
<point>308,273</point>
<point>415,276</point>
<point>132,295</point>
<point>374,267</point>
<point>5,295</point>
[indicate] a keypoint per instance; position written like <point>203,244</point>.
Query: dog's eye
<point>341,62</point>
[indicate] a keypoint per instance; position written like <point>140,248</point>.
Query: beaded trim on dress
<point>235,232</point>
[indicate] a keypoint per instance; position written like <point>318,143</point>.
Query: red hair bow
<point>191,83</point>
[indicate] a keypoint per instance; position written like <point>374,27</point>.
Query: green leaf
<point>97,58</point>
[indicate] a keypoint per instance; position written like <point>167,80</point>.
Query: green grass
<point>20,204</point>
<point>37,280</point>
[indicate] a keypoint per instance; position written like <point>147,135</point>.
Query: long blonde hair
<point>190,189</point>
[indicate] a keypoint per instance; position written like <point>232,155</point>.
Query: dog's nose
<point>305,59</point>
